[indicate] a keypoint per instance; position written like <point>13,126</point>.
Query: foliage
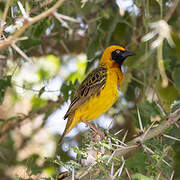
<point>43,66</point>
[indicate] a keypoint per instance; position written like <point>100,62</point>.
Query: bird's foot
<point>98,134</point>
<point>138,133</point>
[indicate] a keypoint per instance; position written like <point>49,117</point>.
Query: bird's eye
<point>118,51</point>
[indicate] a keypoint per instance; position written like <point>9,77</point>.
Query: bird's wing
<point>92,85</point>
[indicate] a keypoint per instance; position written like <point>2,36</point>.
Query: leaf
<point>38,102</point>
<point>30,43</point>
<point>31,163</point>
<point>176,77</point>
<point>68,89</point>
<point>43,74</point>
<point>41,91</point>
<point>93,47</point>
<point>137,163</point>
<point>167,95</point>
<point>4,84</point>
<point>3,120</point>
<point>139,176</point>
<point>148,111</point>
<point>40,28</point>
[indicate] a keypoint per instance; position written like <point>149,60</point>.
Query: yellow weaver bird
<point>99,91</point>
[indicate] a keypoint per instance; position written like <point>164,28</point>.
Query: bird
<point>99,90</point>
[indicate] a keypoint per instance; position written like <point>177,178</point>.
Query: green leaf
<point>167,95</point>
<point>3,120</point>
<point>31,163</point>
<point>176,77</point>
<point>4,84</point>
<point>68,89</point>
<point>139,176</point>
<point>38,102</point>
<point>41,91</point>
<point>30,43</point>
<point>40,28</point>
<point>137,163</point>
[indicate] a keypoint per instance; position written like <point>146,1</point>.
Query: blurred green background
<point>38,78</point>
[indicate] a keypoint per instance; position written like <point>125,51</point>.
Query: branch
<point>28,23</point>
<point>134,144</point>
<point>2,24</point>
<point>171,10</point>
<point>10,124</point>
<point>154,132</point>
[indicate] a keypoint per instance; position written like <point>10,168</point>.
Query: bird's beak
<point>128,53</point>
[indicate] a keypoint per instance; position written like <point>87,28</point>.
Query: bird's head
<point>115,55</point>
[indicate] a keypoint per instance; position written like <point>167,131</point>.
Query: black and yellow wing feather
<point>92,85</point>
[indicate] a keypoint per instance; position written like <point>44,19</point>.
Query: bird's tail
<point>70,124</point>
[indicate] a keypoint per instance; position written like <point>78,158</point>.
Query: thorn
<point>73,174</point>
<point>122,143</point>
<point>110,157</point>
<point>172,175</point>
<point>177,125</point>
<point>121,169</point>
<point>25,16</point>
<point>148,149</point>
<point>118,132</point>
<point>125,135</point>
<point>152,152</point>
<point>127,172</point>
<point>14,46</point>
<point>161,109</point>
<point>112,169</point>
<point>158,176</point>
<point>140,121</point>
<point>166,163</point>
<point>171,137</point>
<point>148,130</point>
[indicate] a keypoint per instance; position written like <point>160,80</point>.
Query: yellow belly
<point>98,104</point>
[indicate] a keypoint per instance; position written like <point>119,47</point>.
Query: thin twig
<point>64,46</point>
<point>67,18</point>
<point>26,25</point>
<point>21,52</point>
<point>171,10</point>
<point>4,17</point>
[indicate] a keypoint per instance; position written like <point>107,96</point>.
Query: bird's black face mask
<point>119,55</point>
